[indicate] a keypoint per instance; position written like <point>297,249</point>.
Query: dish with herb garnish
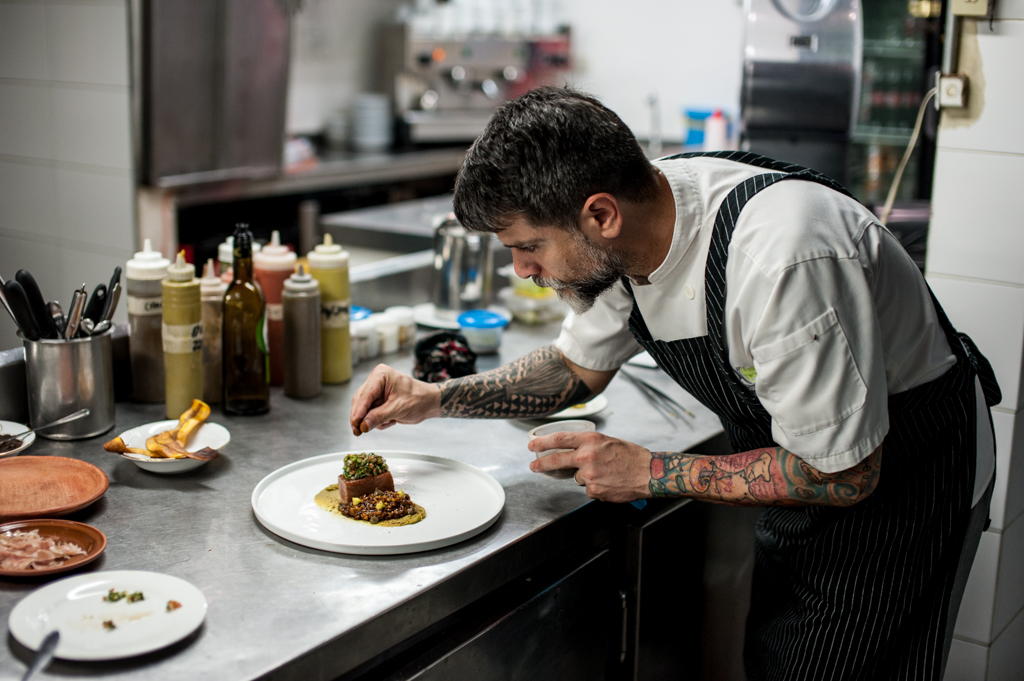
<point>366,493</point>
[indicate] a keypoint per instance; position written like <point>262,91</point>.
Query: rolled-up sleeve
<point>600,339</point>
<point>817,351</point>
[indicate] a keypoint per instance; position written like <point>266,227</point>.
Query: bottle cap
<point>148,264</point>
<point>181,270</point>
<point>226,251</point>
<point>274,256</point>
<point>328,255</point>
<point>481,319</point>
<point>211,284</point>
<point>301,281</point>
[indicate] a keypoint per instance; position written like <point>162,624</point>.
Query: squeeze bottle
<point>301,300</point>
<point>182,334</point>
<point>328,263</point>
<point>146,352</point>
<point>272,265</point>
<point>212,291</point>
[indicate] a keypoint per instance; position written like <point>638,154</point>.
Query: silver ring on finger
<point>577,480</point>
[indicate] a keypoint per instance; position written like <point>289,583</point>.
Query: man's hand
<point>389,397</point>
<point>612,469</point>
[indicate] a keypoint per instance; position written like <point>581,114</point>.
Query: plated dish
<point>594,406</point>
<point>13,428</point>
<point>208,435</point>
<point>47,486</point>
<point>109,615</point>
<point>461,501</point>
<point>36,548</point>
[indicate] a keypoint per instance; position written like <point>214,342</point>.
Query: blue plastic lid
<point>481,319</point>
<point>357,312</point>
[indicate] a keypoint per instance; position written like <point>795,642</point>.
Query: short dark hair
<point>542,155</point>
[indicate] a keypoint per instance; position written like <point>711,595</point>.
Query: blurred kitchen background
<point>171,120</point>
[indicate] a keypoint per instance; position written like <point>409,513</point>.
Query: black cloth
<point>844,593</point>
<point>443,355</point>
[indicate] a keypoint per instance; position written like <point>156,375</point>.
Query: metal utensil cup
<point>463,268</point>
<point>67,375</point>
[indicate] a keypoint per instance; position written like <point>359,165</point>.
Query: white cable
<point>891,198</point>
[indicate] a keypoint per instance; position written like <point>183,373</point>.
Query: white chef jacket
<point>825,313</point>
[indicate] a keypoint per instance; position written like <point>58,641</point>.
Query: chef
<point>858,415</point>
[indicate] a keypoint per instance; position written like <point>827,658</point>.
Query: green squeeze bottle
<point>246,367</point>
<point>182,334</point>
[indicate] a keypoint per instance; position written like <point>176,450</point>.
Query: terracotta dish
<point>47,486</point>
<point>90,539</point>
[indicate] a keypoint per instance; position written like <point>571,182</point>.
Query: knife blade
<point>113,295</point>
<point>97,303</point>
<point>18,301</point>
<point>115,280</point>
<point>37,304</point>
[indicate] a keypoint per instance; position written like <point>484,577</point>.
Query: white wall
<point>976,268</point>
<point>66,182</point>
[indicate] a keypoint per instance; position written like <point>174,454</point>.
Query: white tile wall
<point>967,661</point>
<point>25,110</point>
<point>91,269</point>
<point>1006,659</point>
<point>43,261</point>
<point>998,125</point>
<point>1008,493</point>
<point>974,621</point>
<point>91,125</point>
<point>976,224</point>
<point>1010,585</point>
<point>1010,9</point>
<point>23,41</point>
<point>88,43</point>
<point>28,198</point>
<point>96,209</point>
<point>993,315</point>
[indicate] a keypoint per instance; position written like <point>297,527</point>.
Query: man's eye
<point>527,249</point>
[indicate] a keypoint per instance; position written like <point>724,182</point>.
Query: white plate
<point>13,428</point>
<point>461,501</point>
<point>75,607</point>
<point>594,406</point>
<point>425,314</point>
<point>211,435</point>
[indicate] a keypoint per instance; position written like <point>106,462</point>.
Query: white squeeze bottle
<point>145,304</point>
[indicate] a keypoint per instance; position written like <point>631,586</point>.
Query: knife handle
<point>18,301</point>
<point>36,304</point>
<point>97,303</point>
<point>115,280</point>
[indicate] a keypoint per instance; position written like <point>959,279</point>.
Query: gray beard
<point>580,294</point>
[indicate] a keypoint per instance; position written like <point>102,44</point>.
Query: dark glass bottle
<point>246,369</point>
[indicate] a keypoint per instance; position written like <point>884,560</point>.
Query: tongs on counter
<point>665,405</point>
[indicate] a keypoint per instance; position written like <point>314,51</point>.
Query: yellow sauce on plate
<point>328,499</point>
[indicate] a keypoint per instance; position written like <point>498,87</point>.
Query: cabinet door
<point>562,633</point>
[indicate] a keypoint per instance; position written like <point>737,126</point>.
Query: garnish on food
<point>172,606</point>
<point>115,596</point>
<point>137,596</point>
<point>170,444</point>
<point>109,625</point>
<point>363,474</point>
<point>378,506</point>
<point>30,551</point>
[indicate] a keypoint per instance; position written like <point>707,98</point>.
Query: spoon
<point>43,655</point>
<point>74,416</point>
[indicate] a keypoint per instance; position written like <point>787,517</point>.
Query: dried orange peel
<point>170,444</point>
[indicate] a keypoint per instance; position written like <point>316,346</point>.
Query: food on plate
<point>170,444</point>
<point>30,551</point>
<point>380,508</point>
<point>8,443</point>
<point>363,473</point>
<point>172,606</point>
<point>109,625</point>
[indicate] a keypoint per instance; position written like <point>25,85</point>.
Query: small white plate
<point>211,435</point>
<point>594,406</point>
<point>13,428</point>
<point>461,502</point>
<point>76,608</point>
<point>426,314</point>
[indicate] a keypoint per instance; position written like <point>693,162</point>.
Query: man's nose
<point>524,266</point>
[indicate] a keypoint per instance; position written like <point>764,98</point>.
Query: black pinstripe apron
<point>844,593</point>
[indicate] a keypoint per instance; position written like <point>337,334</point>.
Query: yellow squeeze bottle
<point>328,263</point>
<point>182,334</point>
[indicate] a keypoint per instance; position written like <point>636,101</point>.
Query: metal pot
<point>463,268</point>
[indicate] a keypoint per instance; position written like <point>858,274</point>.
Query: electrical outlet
<point>970,8</point>
<point>952,92</point>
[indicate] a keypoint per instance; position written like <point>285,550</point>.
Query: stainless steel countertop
<point>281,610</point>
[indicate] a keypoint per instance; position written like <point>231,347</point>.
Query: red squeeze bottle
<point>272,266</point>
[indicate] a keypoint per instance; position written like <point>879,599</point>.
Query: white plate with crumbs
<point>94,628</point>
<point>579,411</point>
<point>461,501</point>
<point>13,428</point>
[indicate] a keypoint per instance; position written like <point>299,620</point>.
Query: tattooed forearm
<point>761,477</point>
<point>538,384</point>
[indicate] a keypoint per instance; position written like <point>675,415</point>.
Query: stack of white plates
<point>372,126</point>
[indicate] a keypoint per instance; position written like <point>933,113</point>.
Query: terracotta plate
<point>88,537</point>
<point>47,486</point>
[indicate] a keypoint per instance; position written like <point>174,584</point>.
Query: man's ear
<point>601,217</point>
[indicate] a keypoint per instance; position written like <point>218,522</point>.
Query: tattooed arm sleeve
<point>537,384</point>
<point>761,477</point>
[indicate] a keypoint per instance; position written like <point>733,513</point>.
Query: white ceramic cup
<point>571,426</point>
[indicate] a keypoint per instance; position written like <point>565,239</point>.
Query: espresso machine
<point>445,88</point>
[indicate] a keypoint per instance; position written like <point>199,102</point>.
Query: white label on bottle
<point>182,339</point>
<point>275,312</point>
<point>145,307</point>
<point>334,314</point>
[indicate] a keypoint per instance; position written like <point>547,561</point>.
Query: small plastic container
<point>571,426</point>
<point>406,320</point>
<point>387,332</point>
<point>365,344</point>
<point>483,329</point>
